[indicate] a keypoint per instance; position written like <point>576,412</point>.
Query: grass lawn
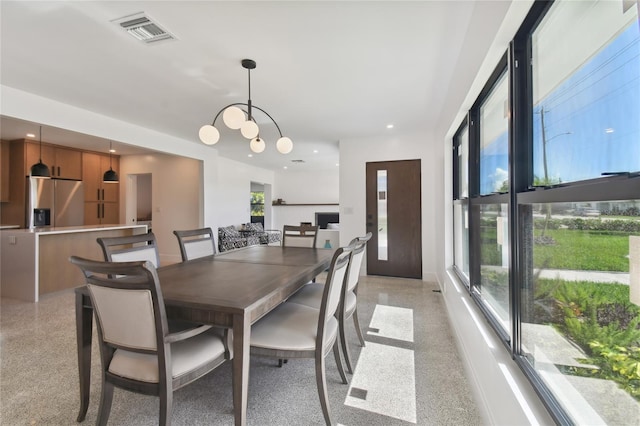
<point>583,250</point>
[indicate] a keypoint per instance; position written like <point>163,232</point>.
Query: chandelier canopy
<point>235,117</point>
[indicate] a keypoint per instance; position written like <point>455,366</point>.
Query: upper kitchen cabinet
<point>63,163</point>
<point>93,168</point>
<point>101,200</point>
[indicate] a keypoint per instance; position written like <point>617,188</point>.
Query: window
<point>546,225</point>
<point>257,207</point>
<point>494,137</point>
<point>461,207</point>
<point>585,91</point>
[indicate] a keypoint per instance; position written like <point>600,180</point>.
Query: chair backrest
<point>131,248</point>
<point>299,236</point>
<point>195,243</point>
<point>333,288</point>
<point>359,246</point>
<point>128,304</point>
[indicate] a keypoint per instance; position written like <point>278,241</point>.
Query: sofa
<point>266,236</point>
<point>229,238</point>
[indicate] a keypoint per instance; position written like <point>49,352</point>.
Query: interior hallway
<point>409,373</point>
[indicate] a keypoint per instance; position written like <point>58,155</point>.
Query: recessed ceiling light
<point>315,151</point>
<point>250,155</point>
<point>337,164</point>
<point>31,135</point>
<point>389,126</point>
<point>285,167</point>
<point>112,150</point>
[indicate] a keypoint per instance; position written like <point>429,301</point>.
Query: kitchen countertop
<point>71,229</point>
<point>9,227</point>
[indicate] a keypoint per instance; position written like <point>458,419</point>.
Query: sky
<point>591,121</point>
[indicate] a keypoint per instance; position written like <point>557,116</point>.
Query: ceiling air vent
<point>143,28</point>
<point>297,161</point>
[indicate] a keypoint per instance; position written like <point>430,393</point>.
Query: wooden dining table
<point>232,289</point>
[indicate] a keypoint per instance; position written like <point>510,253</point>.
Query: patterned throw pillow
<point>229,232</point>
<point>258,227</point>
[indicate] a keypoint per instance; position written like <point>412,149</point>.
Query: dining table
<point>233,289</point>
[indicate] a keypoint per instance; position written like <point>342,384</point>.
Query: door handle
<point>98,194</point>
<point>102,210</point>
<point>58,170</point>
<point>98,215</point>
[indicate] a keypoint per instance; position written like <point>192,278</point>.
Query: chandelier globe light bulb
<point>284,145</point>
<point>208,134</point>
<point>233,117</point>
<point>257,145</point>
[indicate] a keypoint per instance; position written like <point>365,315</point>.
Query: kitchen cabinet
<point>63,163</point>
<point>102,200</point>
<point>4,171</point>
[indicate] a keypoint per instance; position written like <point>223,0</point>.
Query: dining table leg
<point>240,376</point>
<point>84,329</point>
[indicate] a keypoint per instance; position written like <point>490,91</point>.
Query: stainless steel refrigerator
<point>54,202</point>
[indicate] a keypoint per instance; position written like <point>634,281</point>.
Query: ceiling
<point>326,71</point>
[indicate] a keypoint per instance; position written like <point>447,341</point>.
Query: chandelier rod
<point>249,106</point>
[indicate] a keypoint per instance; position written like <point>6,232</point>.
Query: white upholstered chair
<point>130,248</point>
<point>297,331</point>
<point>299,236</point>
<point>195,243</point>
<point>137,350</point>
<point>311,295</point>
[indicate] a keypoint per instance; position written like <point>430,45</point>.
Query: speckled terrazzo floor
<point>410,372</point>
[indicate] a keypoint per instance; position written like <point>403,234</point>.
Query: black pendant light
<point>110,176</point>
<point>40,170</point>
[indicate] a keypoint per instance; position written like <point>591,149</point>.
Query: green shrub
<point>603,322</point>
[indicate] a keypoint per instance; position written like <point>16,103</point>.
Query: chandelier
<point>237,118</point>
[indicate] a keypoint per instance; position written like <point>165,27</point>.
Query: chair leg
<point>356,322</point>
<point>166,406</point>
<point>343,342</point>
<point>336,354</point>
<point>321,382</point>
<point>106,398</point>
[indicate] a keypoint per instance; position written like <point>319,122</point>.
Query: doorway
<point>394,219</point>
<point>139,199</point>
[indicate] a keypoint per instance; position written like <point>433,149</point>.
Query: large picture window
<point>551,212</point>
<point>585,92</point>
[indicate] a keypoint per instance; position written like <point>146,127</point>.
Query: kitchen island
<point>36,261</point>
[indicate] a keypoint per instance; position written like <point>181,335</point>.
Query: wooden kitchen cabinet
<point>63,163</point>
<point>4,171</point>
<point>102,200</point>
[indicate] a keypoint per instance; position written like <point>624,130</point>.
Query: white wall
<point>354,155</point>
<point>175,196</point>
<point>296,187</point>
<point>307,188</point>
<point>233,196</point>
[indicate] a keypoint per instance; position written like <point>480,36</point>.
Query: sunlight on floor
<point>384,378</point>
<point>392,322</point>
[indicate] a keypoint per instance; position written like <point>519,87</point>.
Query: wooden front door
<point>394,219</point>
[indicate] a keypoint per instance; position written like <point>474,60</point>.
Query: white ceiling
<point>326,71</point>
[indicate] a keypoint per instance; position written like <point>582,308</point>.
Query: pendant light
<point>110,176</point>
<point>237,118</point>
<point>40,170</point>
